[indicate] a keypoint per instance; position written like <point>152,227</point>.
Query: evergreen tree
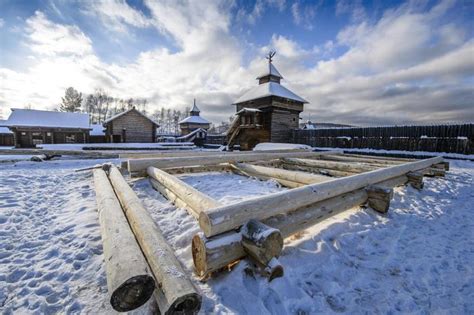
<point>71,102</point>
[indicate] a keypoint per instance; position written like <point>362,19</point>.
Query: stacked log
<point>129,280</point>
<point>176,293</point>
<point>225,218</point>
<point>139,166</point>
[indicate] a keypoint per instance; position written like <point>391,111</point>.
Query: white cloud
<point>117,15</point>
<point>406,67</point>
<point>303,16</point>
<point>48,38</point>
<point>2,22</point>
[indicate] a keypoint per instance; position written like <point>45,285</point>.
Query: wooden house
<point>266,113</point>
<point>130,126</point>
<point>6,136</point>
<point>31,127</point>
<point>193,122</point>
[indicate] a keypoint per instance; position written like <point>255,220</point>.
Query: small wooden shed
<point>6,136</point>
<point>31,127</point>
<point>130,126</point>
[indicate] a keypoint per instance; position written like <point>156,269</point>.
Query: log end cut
<point>199,255</point>
<point>133,293</point>
<point>186,304</point>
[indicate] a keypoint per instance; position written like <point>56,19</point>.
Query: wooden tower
<point>266,113</point>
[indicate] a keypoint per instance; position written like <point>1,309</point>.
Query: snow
<point>248,110</point>
<point>127,111</point>
<point>269,89</point>
<point>43,118</point>
<point>416,259</point>
<point>194,120</point>
<point>4,129</point>
<point>97,130</point>
<point>399,152</point>
<point>266,146</point>
<point>270,70</point>
<point>80,146</point>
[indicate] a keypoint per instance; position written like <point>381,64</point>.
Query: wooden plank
<point>129,280</point>
<point>226,218</point>
<point>176,293</point>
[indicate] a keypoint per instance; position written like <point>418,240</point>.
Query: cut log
<point>416,179</point>
<point>197,169</point>
<point>379,198</point>
<point>436,172</point>
<point>198,201</point>
<point>294,176</point>
<point>316,170</point>
<point>176,293</point>
<point>130,282</point>
<point>282,182</point>
<point>332,165</point>
<point>173,198</point>
<point>383,158</point>
<point>139,166</point>
<point>225,218</point>
<point>261,242</point>
<point>367,160</point>
<point>212,254</point>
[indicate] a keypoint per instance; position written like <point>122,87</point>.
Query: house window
<point>70,138</point>
<point>48,134</point>
<point>37,138</point>
<point>23,133</point>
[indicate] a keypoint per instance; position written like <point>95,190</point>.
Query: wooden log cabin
<point>32,127</point>
<point>266,113</point>
<point>6,136</point>
<point>130,126</point>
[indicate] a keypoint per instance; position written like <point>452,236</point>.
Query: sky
<point>357,62</point>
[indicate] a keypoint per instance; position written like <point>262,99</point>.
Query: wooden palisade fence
<point>438,138</point>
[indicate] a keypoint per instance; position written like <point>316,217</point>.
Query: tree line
<point>101,106</point>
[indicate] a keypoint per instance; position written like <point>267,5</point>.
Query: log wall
<point>440,138</point>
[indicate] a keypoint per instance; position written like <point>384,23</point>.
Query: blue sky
<point>360,62</point>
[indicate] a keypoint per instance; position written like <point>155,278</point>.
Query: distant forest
<point>101,106</point>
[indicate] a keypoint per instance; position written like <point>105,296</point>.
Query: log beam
<point>129,280</point>
<point>293,176</point>
<point>212,254</point>
<point>176,293</point>
<point>196,200</point>
<point>332,165</point>
<point>228,217</point>
<point>139,166</point>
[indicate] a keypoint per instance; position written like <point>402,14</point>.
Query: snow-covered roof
<point>194,120</point>
<point>195,108</point>
<point>97,130</point>
<point>4,129</point>
<point>248,110</point>
<point>269,89</point>
<point>191,134</point>
<point>127,111</point>
<point>270,70</point>
<point>43,118</point>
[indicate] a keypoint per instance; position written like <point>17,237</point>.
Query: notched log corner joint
<point>379,198</point>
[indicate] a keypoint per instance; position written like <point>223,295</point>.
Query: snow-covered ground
<point>416,259</point>
<point>80,146</point>
<point>399,152</point>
